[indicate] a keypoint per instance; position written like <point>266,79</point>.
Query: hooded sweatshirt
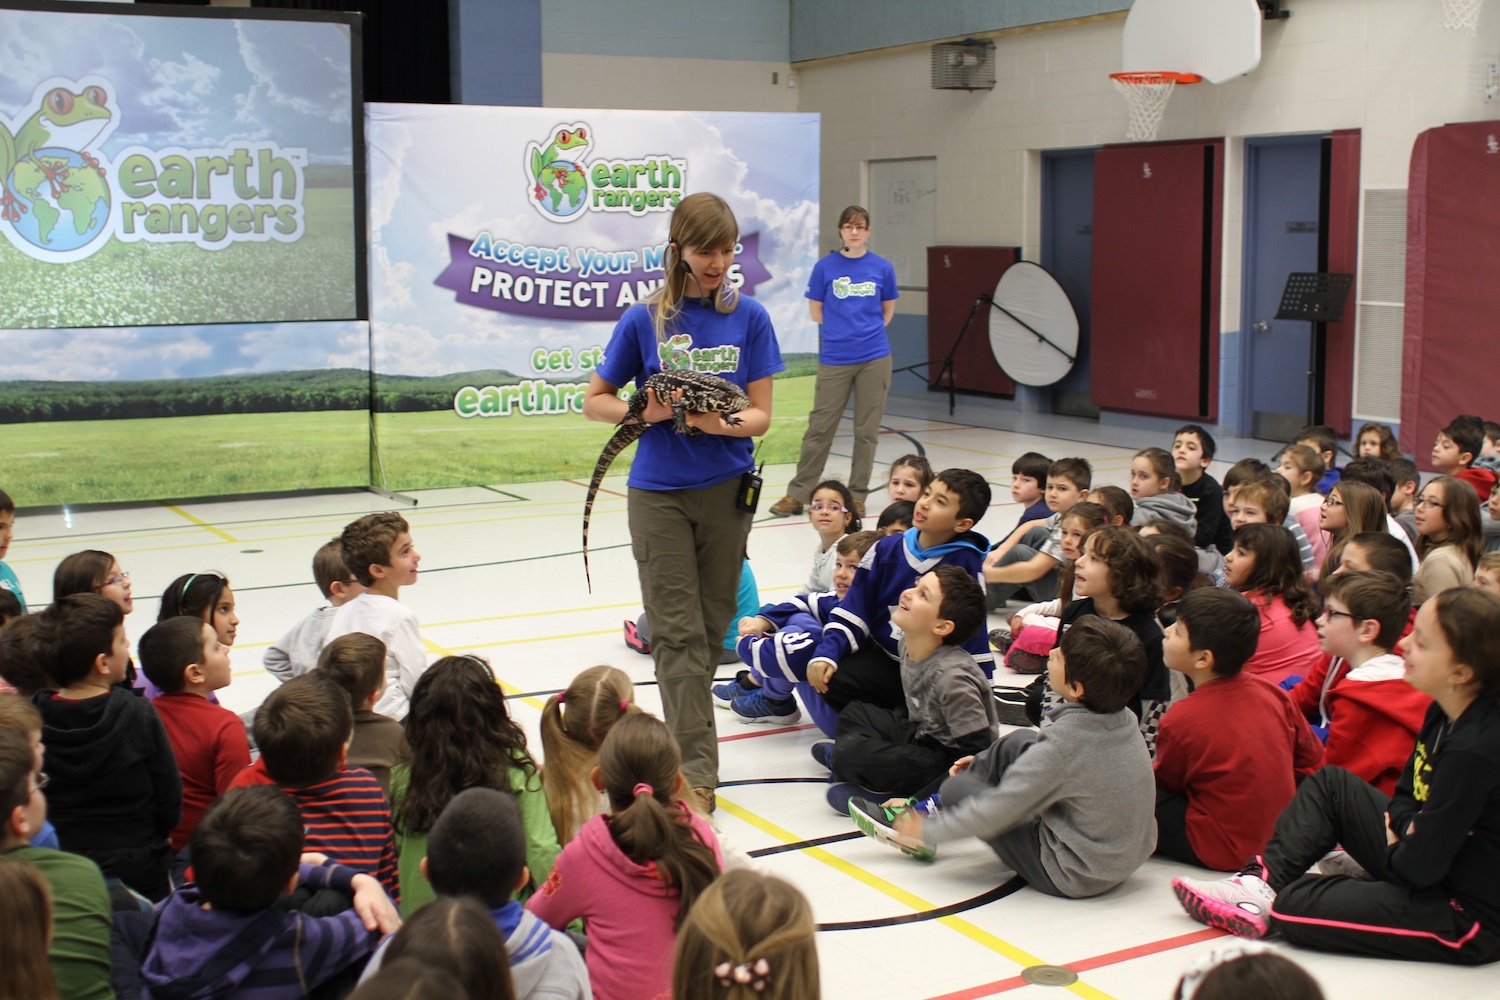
<point>628,909</point>
<point>209,954</point>
<point>114,781</point>
<point>1371,713</point>
<point>889,567</point>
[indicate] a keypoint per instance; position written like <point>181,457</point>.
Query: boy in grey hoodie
<point>1070,809</point>
<point>477,848</point>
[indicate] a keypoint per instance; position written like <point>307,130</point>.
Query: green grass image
<point>140,284</point>
<point>86,461</point>
<point>427,450</point>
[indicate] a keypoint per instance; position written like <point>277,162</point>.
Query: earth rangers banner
<point>506,242</point>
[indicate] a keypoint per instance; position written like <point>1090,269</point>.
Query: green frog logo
<point>559,186</point>
<point>54,196</point>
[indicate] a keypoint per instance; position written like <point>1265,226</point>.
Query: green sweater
<point>541,839</point>
<point>80,922</point>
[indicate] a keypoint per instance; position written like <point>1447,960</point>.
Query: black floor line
<point>983,899</point>
<point>837,838</point>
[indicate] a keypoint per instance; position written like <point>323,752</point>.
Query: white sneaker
<point>1240,904</point>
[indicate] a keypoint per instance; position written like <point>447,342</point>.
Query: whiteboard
<point>903,216</point>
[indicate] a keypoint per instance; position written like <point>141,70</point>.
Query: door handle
<point>1260,326</point>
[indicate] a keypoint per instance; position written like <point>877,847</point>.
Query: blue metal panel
<point>746,30</point>
<point>1067,252</point>
<point>497,52</point>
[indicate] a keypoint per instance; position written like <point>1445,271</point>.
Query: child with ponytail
<point>634,875</point>
<point>750,937</point>
<point>574,724</point>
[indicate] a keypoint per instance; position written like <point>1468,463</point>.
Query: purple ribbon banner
<point>519,290</point>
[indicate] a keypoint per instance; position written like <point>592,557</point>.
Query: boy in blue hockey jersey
<point>857,657</point>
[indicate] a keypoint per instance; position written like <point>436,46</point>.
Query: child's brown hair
<point>1364,510</point>
<point>367,542</point>
<point>1134,573</point>
<point>1373,596</point>
<point>328,566</point>
<point>19,665</point>
<point>19,715</point>
<point>72,633</point>
<point>574,724</point>
<point>1305,460</point>
<point>1268,494</point>
<point>356,663</point>
<point>1461,511</point>
<point>301,730</point>
<point>857,543</point>
<point>1090,516</point>
<point>742,920</point>
<point>1277,570</point>
<point>25,931</point>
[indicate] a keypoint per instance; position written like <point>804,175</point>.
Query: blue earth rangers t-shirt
<point>851,290</point>
<point>739,346</point>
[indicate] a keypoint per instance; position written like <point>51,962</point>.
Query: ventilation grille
<point>1382,309</point>
<point>966,65</point>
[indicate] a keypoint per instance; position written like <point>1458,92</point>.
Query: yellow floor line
<point>200,522</point>
<point>983,937</point>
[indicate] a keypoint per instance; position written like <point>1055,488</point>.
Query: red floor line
<point>1088,964</point>
<point>766,732</point>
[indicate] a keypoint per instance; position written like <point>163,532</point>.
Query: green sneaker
<point>876,821</point>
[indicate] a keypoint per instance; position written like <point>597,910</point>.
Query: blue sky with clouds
<point>189,81</point>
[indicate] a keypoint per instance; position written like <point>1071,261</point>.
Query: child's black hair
<point>897,513</point>
<point>1326,437</point>
<point>971,489</point>
<point>1033,464</point>
<point>846,500</point>
<point>7,505</point>
<point>246,848</point>
<point>166,650</point>
<point>1374,472</point>
<point>19,666</point>
<point>1491,434</point>
<point>919,463</point>
<point>409,979</point>
<point>1077,471</point>
<point>1278,569</point>
<point>1222,622</point>
<point>1466,431</point>
<point>10,606</point>
<point>1373,596</point>
<point>1116,501</point>
<point>1403,471</point>
<point>962,603</point>
<point>477,847</point>
<point>193,595</point>
<point>1107,659</point>
<point>1246,470</point>
<point>72,633</point>
<point>1384,552</point>
<point>1205,439</point>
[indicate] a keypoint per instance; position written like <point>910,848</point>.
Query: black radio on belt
<point>750,483</point>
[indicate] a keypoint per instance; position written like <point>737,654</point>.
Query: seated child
<point>225,936</point>
<point>19,670</point>
<point>1157,491</point>
<point>8,579</point>
<point>1357,695</point>
<point>1301,467</point>
<point>1028,486</point>
<point>896,518</point>
<point>749,934</point>
<point>1246,969</point>
<point>79,952</point>
<point>115,790</point>
<point>596,699</point>
<point>205,596</point>
<point>777,643</point>
<point>1407,479</point>
<point>459,934</point>
<point>1429,851</point>
<point>1264,501</point>
<point>1264,567</point>
<point>949,711</point>
<point>378,550</point>
<point>1116,501</point>
<point>1192,452</point>
<point>20,716</point>
<point>184,658</point>
<point>1376,472</point>
<point>855,659</point>
<point>296,653</point>
<point>747,599</point>
<point>1375,440</point>
<point>1069,809</point>
<point>477,848</point>
<point>633,876</point>
<point>1487,573</point>
<point>1455,450</point>
<point>356,663</point>
<point>831,513</point>
<point>1080,520</point>
<point>1227,755</point>
<point>303,732</point>
<point>1323,440</point>
<point>1032,554</point>
<point>910,475</point>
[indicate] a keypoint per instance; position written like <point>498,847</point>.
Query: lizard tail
<point>621,440</point>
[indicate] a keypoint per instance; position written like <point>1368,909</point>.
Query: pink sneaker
<point>1240,904</point>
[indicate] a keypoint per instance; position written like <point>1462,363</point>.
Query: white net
<point>1146,96</point>
<point>1462,15</point>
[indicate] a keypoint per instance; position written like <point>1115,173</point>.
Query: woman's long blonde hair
<point>574,724</point>
<point>704,221</point>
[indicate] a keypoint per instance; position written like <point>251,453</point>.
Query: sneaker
<point>1010,706</point>
<point>1340,863</point>
<point>730,690</point>
<point>703,801</point>
<point>755,706</point>
<point>786,507</point>
<point>822,752</point>
<point>872,820</point>
<point>1000,639</point>
<point>1240,904</point>
<point>633,639</point>
<point>841,793</point>
<point>859,508</point>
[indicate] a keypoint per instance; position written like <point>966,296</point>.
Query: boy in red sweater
<point>1358,692</point>
<point>303,731</point>
<point>1227,755</point>
<point>183,657</point>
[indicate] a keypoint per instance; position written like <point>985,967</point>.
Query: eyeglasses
<point>1425,502</point>
<point>41,781</point>
<point>832,508</point>
<point>854,228</point>
<point>1331,614</point>
<point>118,580</point>
<point>1331,502</point>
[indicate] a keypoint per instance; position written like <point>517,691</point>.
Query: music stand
<point>1315,298</point>
<point>946,361</point>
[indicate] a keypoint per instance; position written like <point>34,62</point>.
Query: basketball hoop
<point>1146,96</point>
<point>1462,15</point>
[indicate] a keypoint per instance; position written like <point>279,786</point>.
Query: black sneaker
<point>875,821</point>
<point>822,752</point>
<point>1010,706</point>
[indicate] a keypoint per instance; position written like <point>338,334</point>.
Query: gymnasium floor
<point>501,577</point>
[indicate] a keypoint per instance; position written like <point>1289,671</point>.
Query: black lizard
<point>700,394</point>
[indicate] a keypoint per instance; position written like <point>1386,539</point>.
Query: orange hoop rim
<point>1141,77</point>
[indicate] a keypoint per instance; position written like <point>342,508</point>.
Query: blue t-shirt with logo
<point>739,346</point>
<point>9,582</point>
<point>851,290</point>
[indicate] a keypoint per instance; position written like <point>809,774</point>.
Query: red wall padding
<point>1157,238</point>
<point>1452,289</point>
<point>1343,258</point>
<point>956,276</point>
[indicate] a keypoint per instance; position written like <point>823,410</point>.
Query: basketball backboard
<point>1216,39</point>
